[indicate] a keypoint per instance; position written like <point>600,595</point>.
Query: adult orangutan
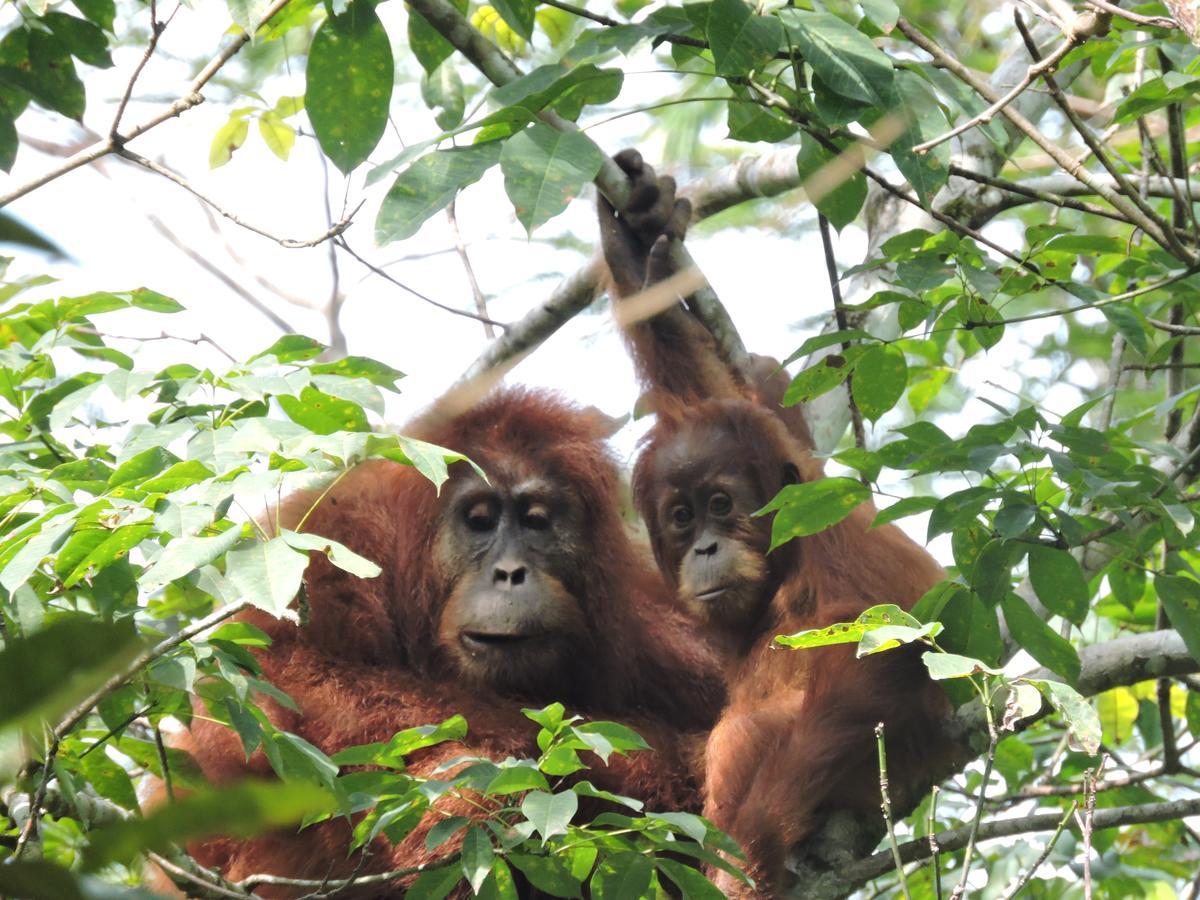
<point>521,589</point>
<point>798,735</point>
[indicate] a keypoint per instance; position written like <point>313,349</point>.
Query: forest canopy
<point>970,232</point>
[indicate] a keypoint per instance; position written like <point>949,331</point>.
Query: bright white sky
<point>775,287</point>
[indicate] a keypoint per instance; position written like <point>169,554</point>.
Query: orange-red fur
<point>368,662</point>
<point>798,734</point>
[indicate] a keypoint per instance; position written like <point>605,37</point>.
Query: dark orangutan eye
<point>481,516</point>
<point>681,516</point>
<point>719,504</point>
<point>536,517</point>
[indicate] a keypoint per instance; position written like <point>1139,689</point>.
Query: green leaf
<point>341,556</point>
<point>349,84</point>
<point>544,169</point>
<point>180,475</point>
<point>912,98</point>
<point>242,633</point>
<point>840,202</point>
<point>84,40</point>
<point>884,13</point>
<point>689,880</point>
<point>141,467</point>
<point>513,779</point>
<point>551,874</point>
<point>228,139</point>
<point>841,55</point>
<point>144,298</point>
<point>115,545</point>
<point>880,377</point>
<point>823,375</point>
<point>426,42</point>
<point>1059,583</point>
<point>278,135</point>
<point>478,857</point>
<point>741,41</point>
<point>53,669</point>
<point>247,13</point>
<point>804,509</point>
<point>1117,710</point>
<point>907,506</point>
<point>268,575</point>
<point>1180,598</point>
<point>430,460</point>
<point>1081,719</point>
<point>184,555</point>
<point>435,884</point>
<point>442,91</point>
<point>1038,639</point>
<point>519,14</point>
<point>950,665</point>
<point>622,875</point>
<point>240,811</point>
<point>850,632</point>
<point>499,885</point>
<point>40,880</point>
<point>102,12</point>
<point>428,185</point>
<point>323,414</point>
<point>549,813</point>
<point>13,228</point>
<point>37,62</point>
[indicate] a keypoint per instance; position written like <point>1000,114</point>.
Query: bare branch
<point>290,243</point>
<point>467,314</point>
<point>1032,74</point>
<point>190,98</point>
<point>461,249</point>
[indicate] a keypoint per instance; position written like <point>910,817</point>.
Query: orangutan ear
<point>791,474</point>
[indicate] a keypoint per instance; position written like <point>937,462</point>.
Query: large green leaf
<point>923,119</point>
<point>544,169</point>
<point>349,84</point>
<point>428,185</point>
<point>1181,599</point>
<point>803,509</point>
<point>519,14</point>
<point>1038,639</point>
<point>239,811</point>
<point>841,55</point>
<point>52,669</point>
<point>622,875</point>
<point>426,42</point>
<point>838,202</point>
<point>268,575</point>
<point>880,377</point>
<point>1058,582</point>
<point>741,40</point>
<point>550,813</point>
<point>321,413</point>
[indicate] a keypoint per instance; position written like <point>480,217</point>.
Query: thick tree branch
<point>610,180</point>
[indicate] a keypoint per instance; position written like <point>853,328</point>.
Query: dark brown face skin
<point>514,621</point>
<point>714,547</point>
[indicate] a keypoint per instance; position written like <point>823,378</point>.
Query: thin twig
<point>35,803</point>
<point>839,312</point>
<point>161,748</point>
<point>1174,327</point>
<point>1087,823</point>
<point>290,243</point>
<point>461,249</point>
<point>935,858</point>
<point>190,98</point>
<point>156,30</point>
<point>1028,874</point>
<point>980,803</point>
<point>1151,225</point>
<point>257,880</point>
<point>885,805</point>
<point>1031,75</point>
<point>341,242</point>
<point>1137,18</point>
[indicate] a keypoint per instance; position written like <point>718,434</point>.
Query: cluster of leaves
<point>127,529</point>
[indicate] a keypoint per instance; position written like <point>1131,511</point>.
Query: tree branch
<point>190,98</point>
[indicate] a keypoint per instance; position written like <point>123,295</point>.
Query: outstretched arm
<point>675,355</point>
